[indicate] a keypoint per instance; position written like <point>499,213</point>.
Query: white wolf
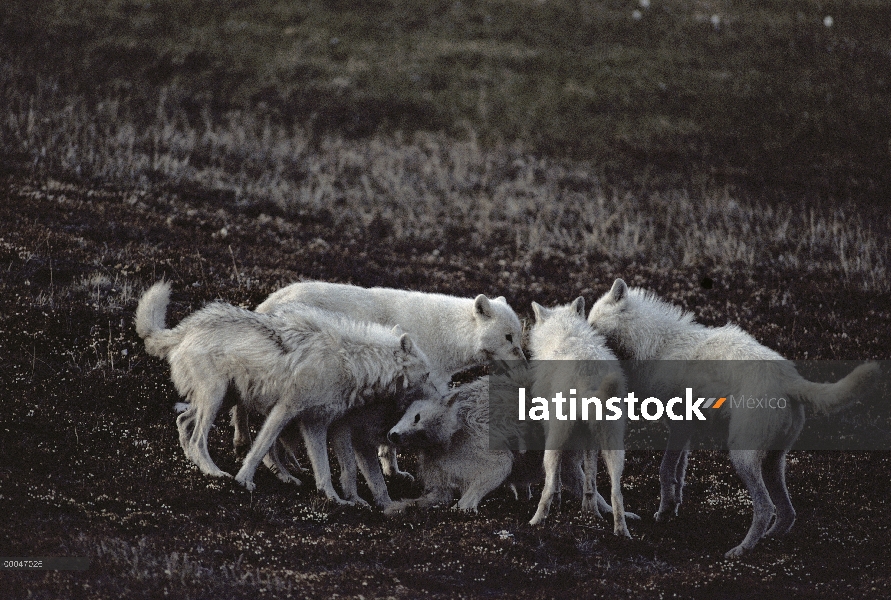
<point>303,363</point>
<point>452,438</point>
<point>646,328</point>
<point>455,333</point>
<point>562,334</point>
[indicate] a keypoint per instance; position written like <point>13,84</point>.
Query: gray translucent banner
<point>45,563</point>
<point>729,404</point>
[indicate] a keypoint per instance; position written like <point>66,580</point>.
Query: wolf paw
<point>736,552</point>
<point>395,508</point>
<point>589,505</point>
<point>632,516</point>
<point>403,475</point>
<point>218,473</point>
<point>622,531</point>
<point>248,485</point>
<point>357,501</point>
<point>288,478</point>
<point>538,518</point>
<point>665,513</point>
<point>779,528</point>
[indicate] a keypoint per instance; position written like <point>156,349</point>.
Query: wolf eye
<point>509,338</point>
<point>417,418</point>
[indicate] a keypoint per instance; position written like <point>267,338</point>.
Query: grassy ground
<point>90,464</point>
<point>765,98</point>
<point>535,150</point>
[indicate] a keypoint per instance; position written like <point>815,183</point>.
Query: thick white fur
<point>561,334</point>
<point>302,363</point>
<point>453,440</point>
<point>647,328</point>
<point>455,333</point>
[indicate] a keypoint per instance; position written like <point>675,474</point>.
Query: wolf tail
<point>151,322</point>
<point>832,397</point>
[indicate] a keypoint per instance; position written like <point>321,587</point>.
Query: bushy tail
<point>151,322</point>
<point>832,397</point>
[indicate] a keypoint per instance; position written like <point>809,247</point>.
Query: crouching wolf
<point>646,328</point>
<point>562,335</point>
<point>302,363</point>
<point>454,333</point>
<point>452,438</point>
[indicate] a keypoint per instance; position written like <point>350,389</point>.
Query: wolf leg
<point>589,491</point>
<point>207,400</point>
<point>389,463</point>
<point>487,479</point>
<point>315,436</point>
<point>748,464</point>
<point>552,474</point>
<point>775,480</point>
<point>241,439</point>
<point>615,464</point>
<point>367,456</point>
<point>341,440</point>
<point>278,417</point>
<point>674,463</point>
<point>283,450</point>
<point>433,497</point>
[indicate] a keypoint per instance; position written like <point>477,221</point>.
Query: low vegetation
<point>733,159</point>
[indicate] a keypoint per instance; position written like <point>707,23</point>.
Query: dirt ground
<point>90,464</point>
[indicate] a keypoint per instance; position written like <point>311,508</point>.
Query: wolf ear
<point>481,307</point>
<point>618,291</point>
<point>397,330</point>
<point>539,311</point>
<point>578,305</point>
<point>501,299</point>
<point>406,344</point>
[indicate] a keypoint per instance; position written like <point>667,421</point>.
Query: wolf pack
<point>369,371</point>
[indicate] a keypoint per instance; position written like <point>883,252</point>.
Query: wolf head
<point>611,315</point>
<point>636,322</point>
<point>415,377</point>
<point>499,334</point>
<point>430,421</point>
<point>554,325</point>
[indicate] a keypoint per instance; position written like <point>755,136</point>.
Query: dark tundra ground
<point>735,160</point>
<point>90,464</point>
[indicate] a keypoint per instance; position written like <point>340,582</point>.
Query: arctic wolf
<point>647,328</point>
<point>302,363</point>
<point>455,333</point>
<point>561,334</point>
<point>452,438</point>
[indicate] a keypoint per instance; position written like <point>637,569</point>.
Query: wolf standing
<point>302,363</point>
<point>561,334</point>
<point>647,328</point>
<point>454,333</point>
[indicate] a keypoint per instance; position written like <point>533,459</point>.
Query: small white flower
<point>636,15</point>
<point>828,21</point>
<point>645,3</point>
<point>716,21</point>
